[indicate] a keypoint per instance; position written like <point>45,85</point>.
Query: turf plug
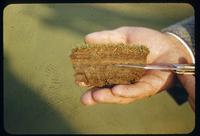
<point>93,64</point>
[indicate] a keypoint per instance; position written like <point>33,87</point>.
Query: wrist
<point>183,49</point>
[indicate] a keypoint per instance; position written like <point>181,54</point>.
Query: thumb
<point>188,82</point>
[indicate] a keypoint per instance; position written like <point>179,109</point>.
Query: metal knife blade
<point>148,66</point>
<point>177,68</point>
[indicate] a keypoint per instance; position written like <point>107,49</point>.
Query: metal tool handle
<point>188,69</point>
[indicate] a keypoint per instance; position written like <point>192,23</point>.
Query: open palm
<point>163,49</point>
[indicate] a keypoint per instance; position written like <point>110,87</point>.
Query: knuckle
<point>118,90</point>
<point>97,96</point>
<point>115,90</point>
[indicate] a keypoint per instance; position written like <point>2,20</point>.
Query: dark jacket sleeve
<point>185,30</point>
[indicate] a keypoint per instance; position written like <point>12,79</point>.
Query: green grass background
<point>39,91</point>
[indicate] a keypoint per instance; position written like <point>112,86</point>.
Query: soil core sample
<point>93,64</point>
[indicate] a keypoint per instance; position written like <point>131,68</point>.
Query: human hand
<point>163,49</point>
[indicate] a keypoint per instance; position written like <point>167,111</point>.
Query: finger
<point>105,37</point>
<point>105,96</point>
<point>87,98</point>
<point>151,83</point>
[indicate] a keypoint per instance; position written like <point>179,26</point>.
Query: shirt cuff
<point>184,44</point>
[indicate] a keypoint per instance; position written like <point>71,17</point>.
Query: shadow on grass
<point>25,112</point>
<point>84,19</point>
